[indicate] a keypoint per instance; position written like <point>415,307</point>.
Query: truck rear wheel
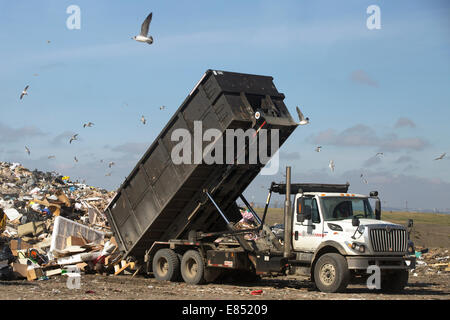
<point>394,281</point>
<point>331,273</point>
<point>192,267</point>
<point>166,265</point>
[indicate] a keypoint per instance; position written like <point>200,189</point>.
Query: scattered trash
<point>50,225</point>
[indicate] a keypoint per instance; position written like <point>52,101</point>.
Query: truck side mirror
<point>355,222</point>
<point>378,209</point>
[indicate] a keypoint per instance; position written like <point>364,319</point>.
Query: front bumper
<point>386,262</point>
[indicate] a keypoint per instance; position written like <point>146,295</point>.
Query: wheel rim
<point>327,274</point>
<point>162,266</point>
<point>191,268</point>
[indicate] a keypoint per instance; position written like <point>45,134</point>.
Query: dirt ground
<point>101,287</point>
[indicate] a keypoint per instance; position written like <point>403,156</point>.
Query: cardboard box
<point>17,245</point>
<point>34,274</point>
<point>21,270</point>
<point>74,241</point>
<point>31,228</point>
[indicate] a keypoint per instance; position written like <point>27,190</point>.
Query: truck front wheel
<point>166,265</point>
<point>331,273</point>
<point>192,267</point>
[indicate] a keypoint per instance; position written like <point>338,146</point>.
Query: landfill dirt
<point>101,287</point>
<point>53,233</point>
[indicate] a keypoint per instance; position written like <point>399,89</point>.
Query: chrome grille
<point>388,240</point>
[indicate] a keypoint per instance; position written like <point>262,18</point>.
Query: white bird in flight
<point>75,158</point>
<point>89,124</point>
<point>441,156</point>
<point>24,92</point>
<point>143,36</point>
<point>143,120</point>
<point>27,150</point>
<point>379,153</point>
<point>318,149</point>
<point>162,107</point>
<point>74,137</point>
<point>301,117</point>
<point>108,174</point>
<point>111,164</point>
<point>51,157</point>
<point>331,165</point>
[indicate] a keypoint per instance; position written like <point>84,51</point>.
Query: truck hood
<point>348,227</point>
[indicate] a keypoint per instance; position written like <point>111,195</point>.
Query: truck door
<point>308,235</point>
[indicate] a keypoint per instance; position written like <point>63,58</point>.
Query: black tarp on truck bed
<point>159,200</point>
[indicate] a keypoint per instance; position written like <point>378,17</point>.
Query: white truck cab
<point>337,235</point>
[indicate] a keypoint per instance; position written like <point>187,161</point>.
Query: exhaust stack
<point>287,216</point>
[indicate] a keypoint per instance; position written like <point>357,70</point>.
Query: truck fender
<point>328,246</point>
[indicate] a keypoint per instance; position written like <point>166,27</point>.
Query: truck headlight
<point>362,248</point>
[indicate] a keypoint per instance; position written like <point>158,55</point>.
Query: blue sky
<point>364,90</point>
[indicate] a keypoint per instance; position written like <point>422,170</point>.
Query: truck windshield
<point>339,208</point>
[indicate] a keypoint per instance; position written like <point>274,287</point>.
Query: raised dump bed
<point>160,200</point>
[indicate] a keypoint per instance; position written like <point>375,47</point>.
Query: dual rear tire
<point>169,266</point>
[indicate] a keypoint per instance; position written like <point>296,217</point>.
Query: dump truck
<point>181,220</point>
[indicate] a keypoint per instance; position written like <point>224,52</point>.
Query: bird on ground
<point>318,149</point>
<point>75,158</point>
<point>331,165</point>
<point>27,150</point>
<point>441,156</point>
<point>111,164</point>
<point>301,117</point>
<point>74,137</point>
<point>364,180</point>
<point>89,124</point>
<point>24,92</point>
<point>143,120</point>
<point>143,36</point>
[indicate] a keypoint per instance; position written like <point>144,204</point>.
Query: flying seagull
<point>379,153</point>
<point>51,157</point>
<point>89,124</point>
<point>364,180</point>
<point>143,120</point>
<point>111,164</point>
<point>75,158</point>
<point>24,92</point>
<point>27,150</point>
<point>441,156</point>
<point>331,165</point>
<point>108,174</point>
<point>318,148</point>
<point>48,41</point>
<point>74,137</point>
<point>143,36</point>
<point>162,107</point>
<point>302,118</point>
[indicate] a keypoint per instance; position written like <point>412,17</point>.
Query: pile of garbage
<point>431,261</point>
<point>49,224</point>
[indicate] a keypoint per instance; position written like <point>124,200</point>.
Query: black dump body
<point>160,200</point>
